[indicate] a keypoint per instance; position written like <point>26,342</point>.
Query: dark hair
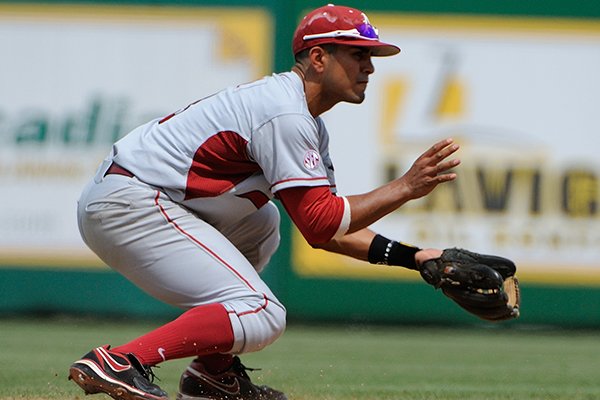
<point>328,47</point>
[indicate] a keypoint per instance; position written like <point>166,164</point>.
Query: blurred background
<point>514,82</point>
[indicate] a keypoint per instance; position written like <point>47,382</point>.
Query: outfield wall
<point>515,84</point>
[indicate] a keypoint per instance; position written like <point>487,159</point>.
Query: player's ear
<point>317,56</point>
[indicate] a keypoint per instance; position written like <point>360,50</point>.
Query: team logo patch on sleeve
<point>312,159</point>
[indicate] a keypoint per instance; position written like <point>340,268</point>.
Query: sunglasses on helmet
<point>363,31</point>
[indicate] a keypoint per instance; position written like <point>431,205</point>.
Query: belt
<point>116,169</point>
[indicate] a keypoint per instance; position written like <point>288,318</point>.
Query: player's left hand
<point>484,285</point>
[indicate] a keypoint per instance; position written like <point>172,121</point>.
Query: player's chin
<point>356,98</point>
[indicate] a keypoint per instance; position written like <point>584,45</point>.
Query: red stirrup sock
<point>200,331</point>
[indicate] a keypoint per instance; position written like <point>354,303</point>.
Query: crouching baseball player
<point>182,207</point>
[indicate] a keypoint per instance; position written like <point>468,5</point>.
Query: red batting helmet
<point>340,25</point>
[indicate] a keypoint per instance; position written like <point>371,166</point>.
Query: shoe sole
<point>186,397</point>
<point>91,383</point>
<point>181,396</point>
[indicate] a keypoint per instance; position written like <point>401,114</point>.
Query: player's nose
<point>368,67</point>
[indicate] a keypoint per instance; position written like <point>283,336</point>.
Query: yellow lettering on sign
<point>451,101</point>
<point>580,193</point>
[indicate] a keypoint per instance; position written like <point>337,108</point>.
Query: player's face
<point>347,73</point>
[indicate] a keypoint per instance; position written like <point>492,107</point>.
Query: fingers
<point>437,147</point>
<point>442,149</point>
<point>435,157</point>
<point>447,165</point>
<point>432,168</point>
<point>445,177</point>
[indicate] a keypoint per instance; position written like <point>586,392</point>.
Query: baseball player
<point>183,208</point>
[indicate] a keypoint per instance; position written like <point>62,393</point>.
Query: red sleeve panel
<point>315,211</point>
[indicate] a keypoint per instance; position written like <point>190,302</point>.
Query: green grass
<point>334,363</point>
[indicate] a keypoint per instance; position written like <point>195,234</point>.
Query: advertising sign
<point>521,98</point>
<point>74,78</point>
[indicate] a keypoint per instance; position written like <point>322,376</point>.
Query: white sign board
<point>75,78</point>
<point>522,99</point>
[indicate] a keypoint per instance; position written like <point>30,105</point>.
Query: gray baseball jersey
<point>195,224</point>
<point>224,156</point>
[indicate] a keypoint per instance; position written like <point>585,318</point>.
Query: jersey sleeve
<point>290,151</point>
<point>317,213</point>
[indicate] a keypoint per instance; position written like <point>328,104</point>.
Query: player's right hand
<point>431,168</point>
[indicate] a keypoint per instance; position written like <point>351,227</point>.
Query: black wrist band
<point>389,252</point>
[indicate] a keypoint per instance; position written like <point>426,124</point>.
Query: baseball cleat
<point>121,376</point>
<point>234,384</point>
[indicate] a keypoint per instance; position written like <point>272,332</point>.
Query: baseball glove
<point>484,285</point>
